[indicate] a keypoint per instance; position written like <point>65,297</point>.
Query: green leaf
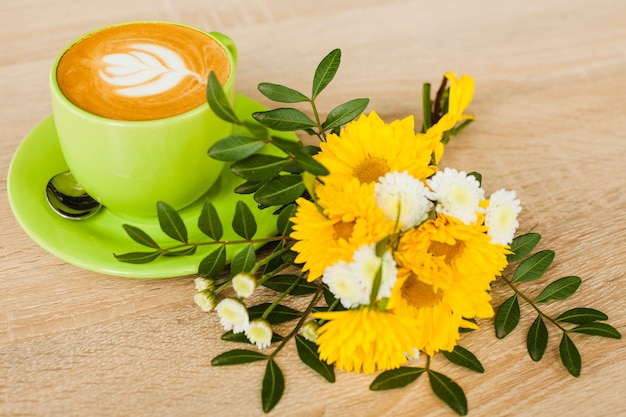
<point>191,250</point>
<point>244,260</point>
<point>533,267</point>
<point>140,236</point>
<point>310,164</point>
<point>448,391</point>
<point>218,102</point>
<point>325,72</point>
<point>280,313</point>
<point>345,113</point>
<point>507,317</point>
<point>307,351</point>
<point>171,222</point>
<point>597,329</point>
<point>284,119</point>
<point>290,147</point>
<point>276,263</point>
<point>537,339</point>
<point>569,355</point>
<point>283,221</point>
<point>243,221</point>
<point>281,94</point>
<point>259,167</point>
<point>138,257</point>
<point>463,357</point>
<point>258,131</point>
<point>249,187</point>
<point>212,264</point>
<point>209,221</point>
<point>237,357</point>
<point>396,378</point>
<point>522,246</point>
<point>229,336</point>
<point>235,147</point>
<point>281,190</point>
<point>281,283</point>
<point>273,386</point>
<point>560,289</point>
<point>582,315</point>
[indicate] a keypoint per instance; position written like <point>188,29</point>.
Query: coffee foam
<point>141,71</point>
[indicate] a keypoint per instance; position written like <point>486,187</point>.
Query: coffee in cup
<point>129,104</point>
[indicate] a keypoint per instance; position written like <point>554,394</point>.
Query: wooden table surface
<point>551,106</point>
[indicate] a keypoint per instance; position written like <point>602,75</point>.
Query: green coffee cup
<point>129,105</point>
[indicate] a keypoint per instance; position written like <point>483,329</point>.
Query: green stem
<point>225,242</point>
<point>322,134</point>
<point>305,315</point>
<point>531,303</point>
<point>281,297</point>
<point>268,258</point>
<point>427,107</point>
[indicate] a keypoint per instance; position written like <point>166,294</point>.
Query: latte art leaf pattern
<point>146,70</point>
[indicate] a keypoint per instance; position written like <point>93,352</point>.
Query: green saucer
<point>90,243</point>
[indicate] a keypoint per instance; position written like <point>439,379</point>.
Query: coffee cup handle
<point>227,42</point>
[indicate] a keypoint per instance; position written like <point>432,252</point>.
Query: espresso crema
<point>141,71</point>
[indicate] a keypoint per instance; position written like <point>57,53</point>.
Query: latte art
<point>145,71</point>
<point>141,71</point>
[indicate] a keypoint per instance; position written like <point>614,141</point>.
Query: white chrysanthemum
<point>309,330</point>
<point>366,265</point>
<point>403,193</point>
<point>204,284</point>
<point>205,299</point>
<point>259,332</point>
<point>352,282</point>
<point>344,284</point>
<point>244,284</point>
<point>457,194</point>
<point>233,315</point>
<point>501,216</point>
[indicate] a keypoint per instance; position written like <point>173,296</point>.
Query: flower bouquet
<point>394,255</point>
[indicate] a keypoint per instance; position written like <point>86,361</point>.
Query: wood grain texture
<point>551,106</point>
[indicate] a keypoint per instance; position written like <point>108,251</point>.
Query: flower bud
<point>260,333</point>
<point>244,284</point>
<point>309,330</point>
<point>206,300</point>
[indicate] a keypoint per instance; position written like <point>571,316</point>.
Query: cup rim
<point>202,107</point>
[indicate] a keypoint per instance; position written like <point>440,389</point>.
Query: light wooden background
<point>551,106</point>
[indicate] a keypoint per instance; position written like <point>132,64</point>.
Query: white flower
<point>403,197</point>
<point>501,216</point>
<point>352,282</point>
<point>260,333</point>
<point>205,299</point>
<point>233,315</point>
<point>204,284</point>
<point>244,284</point>
<point>457,194</point>
<point>309,330</point>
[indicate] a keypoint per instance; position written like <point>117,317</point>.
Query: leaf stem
<point>280,298</point>
<point>321,134</point>
<point>532,303</point>
<point>305,314</point>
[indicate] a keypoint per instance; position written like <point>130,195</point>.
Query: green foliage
<point>325,72</point>
<point>237,357</point>
<point>273,386</point>
<point>448,391</point>
<point>396,378</point>
<point>218,102</point>
<point>307,351</point>
<point>171,223</point>
<point>522,246</point>
<point>559,290</point>
<point>507,317</point>
<point>537,339</point>
<point>534,267</point>
<point>463,357</point>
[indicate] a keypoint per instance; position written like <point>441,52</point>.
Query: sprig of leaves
<point>277,180</point>
<point>531,267</point>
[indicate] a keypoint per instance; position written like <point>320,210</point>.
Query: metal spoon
<point>68,199</point>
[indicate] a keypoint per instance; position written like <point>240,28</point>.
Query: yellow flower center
<point>419,294</point>
<point>370,169</point>
<point>451,252</point>
<point>343,230</point>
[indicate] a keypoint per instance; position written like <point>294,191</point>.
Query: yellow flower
<point>460,97</point>
<point>366,340</point>
<point>446,268</point>
<point>346,219</point>
<point>369,148</point>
